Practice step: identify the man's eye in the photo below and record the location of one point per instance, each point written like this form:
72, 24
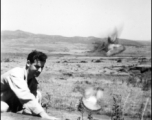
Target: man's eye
37, 67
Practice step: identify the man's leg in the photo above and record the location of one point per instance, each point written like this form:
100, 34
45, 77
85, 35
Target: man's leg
4, 106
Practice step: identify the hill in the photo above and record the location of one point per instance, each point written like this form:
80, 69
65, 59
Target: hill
20, 42
7, 36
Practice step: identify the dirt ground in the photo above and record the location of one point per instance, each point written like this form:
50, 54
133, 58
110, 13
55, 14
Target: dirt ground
65, 77
72, 66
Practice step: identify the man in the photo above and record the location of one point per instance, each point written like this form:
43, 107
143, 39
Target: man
19, 87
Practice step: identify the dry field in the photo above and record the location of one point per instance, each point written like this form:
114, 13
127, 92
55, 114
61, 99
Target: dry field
70, 68
64, 78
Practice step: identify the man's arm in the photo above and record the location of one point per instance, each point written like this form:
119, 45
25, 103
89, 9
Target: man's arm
21, 90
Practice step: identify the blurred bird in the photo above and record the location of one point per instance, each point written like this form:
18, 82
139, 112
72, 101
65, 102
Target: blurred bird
92, 97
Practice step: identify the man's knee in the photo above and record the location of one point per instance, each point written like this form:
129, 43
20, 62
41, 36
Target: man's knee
4, 106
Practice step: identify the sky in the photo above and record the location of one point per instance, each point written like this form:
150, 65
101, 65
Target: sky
98, 18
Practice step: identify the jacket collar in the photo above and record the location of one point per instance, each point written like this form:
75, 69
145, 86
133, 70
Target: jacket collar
25, 73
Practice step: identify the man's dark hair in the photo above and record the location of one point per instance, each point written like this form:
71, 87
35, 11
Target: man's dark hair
37, 55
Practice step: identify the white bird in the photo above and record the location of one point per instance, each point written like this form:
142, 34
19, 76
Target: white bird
92, 97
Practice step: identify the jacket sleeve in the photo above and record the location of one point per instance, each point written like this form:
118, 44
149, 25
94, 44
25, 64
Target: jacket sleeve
19, 86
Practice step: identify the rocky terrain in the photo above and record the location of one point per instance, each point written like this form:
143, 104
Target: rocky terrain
71, 67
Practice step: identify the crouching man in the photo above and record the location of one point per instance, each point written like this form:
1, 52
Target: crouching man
19, 87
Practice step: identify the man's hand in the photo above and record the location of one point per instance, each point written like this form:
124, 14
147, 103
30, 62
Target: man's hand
46, 116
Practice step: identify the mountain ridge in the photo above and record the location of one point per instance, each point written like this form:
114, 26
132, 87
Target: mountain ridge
19, 34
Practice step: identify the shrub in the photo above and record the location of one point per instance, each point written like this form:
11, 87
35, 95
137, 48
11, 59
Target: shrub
7, 60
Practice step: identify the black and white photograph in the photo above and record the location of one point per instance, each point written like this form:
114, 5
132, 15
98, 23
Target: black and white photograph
75, 59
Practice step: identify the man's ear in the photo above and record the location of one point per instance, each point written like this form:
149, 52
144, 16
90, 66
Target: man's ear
28, 63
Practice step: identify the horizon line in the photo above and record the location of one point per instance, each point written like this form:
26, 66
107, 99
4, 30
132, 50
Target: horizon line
148, 40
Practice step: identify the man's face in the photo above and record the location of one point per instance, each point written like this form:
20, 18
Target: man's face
36, 68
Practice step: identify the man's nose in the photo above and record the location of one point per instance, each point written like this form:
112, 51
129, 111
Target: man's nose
40, 69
